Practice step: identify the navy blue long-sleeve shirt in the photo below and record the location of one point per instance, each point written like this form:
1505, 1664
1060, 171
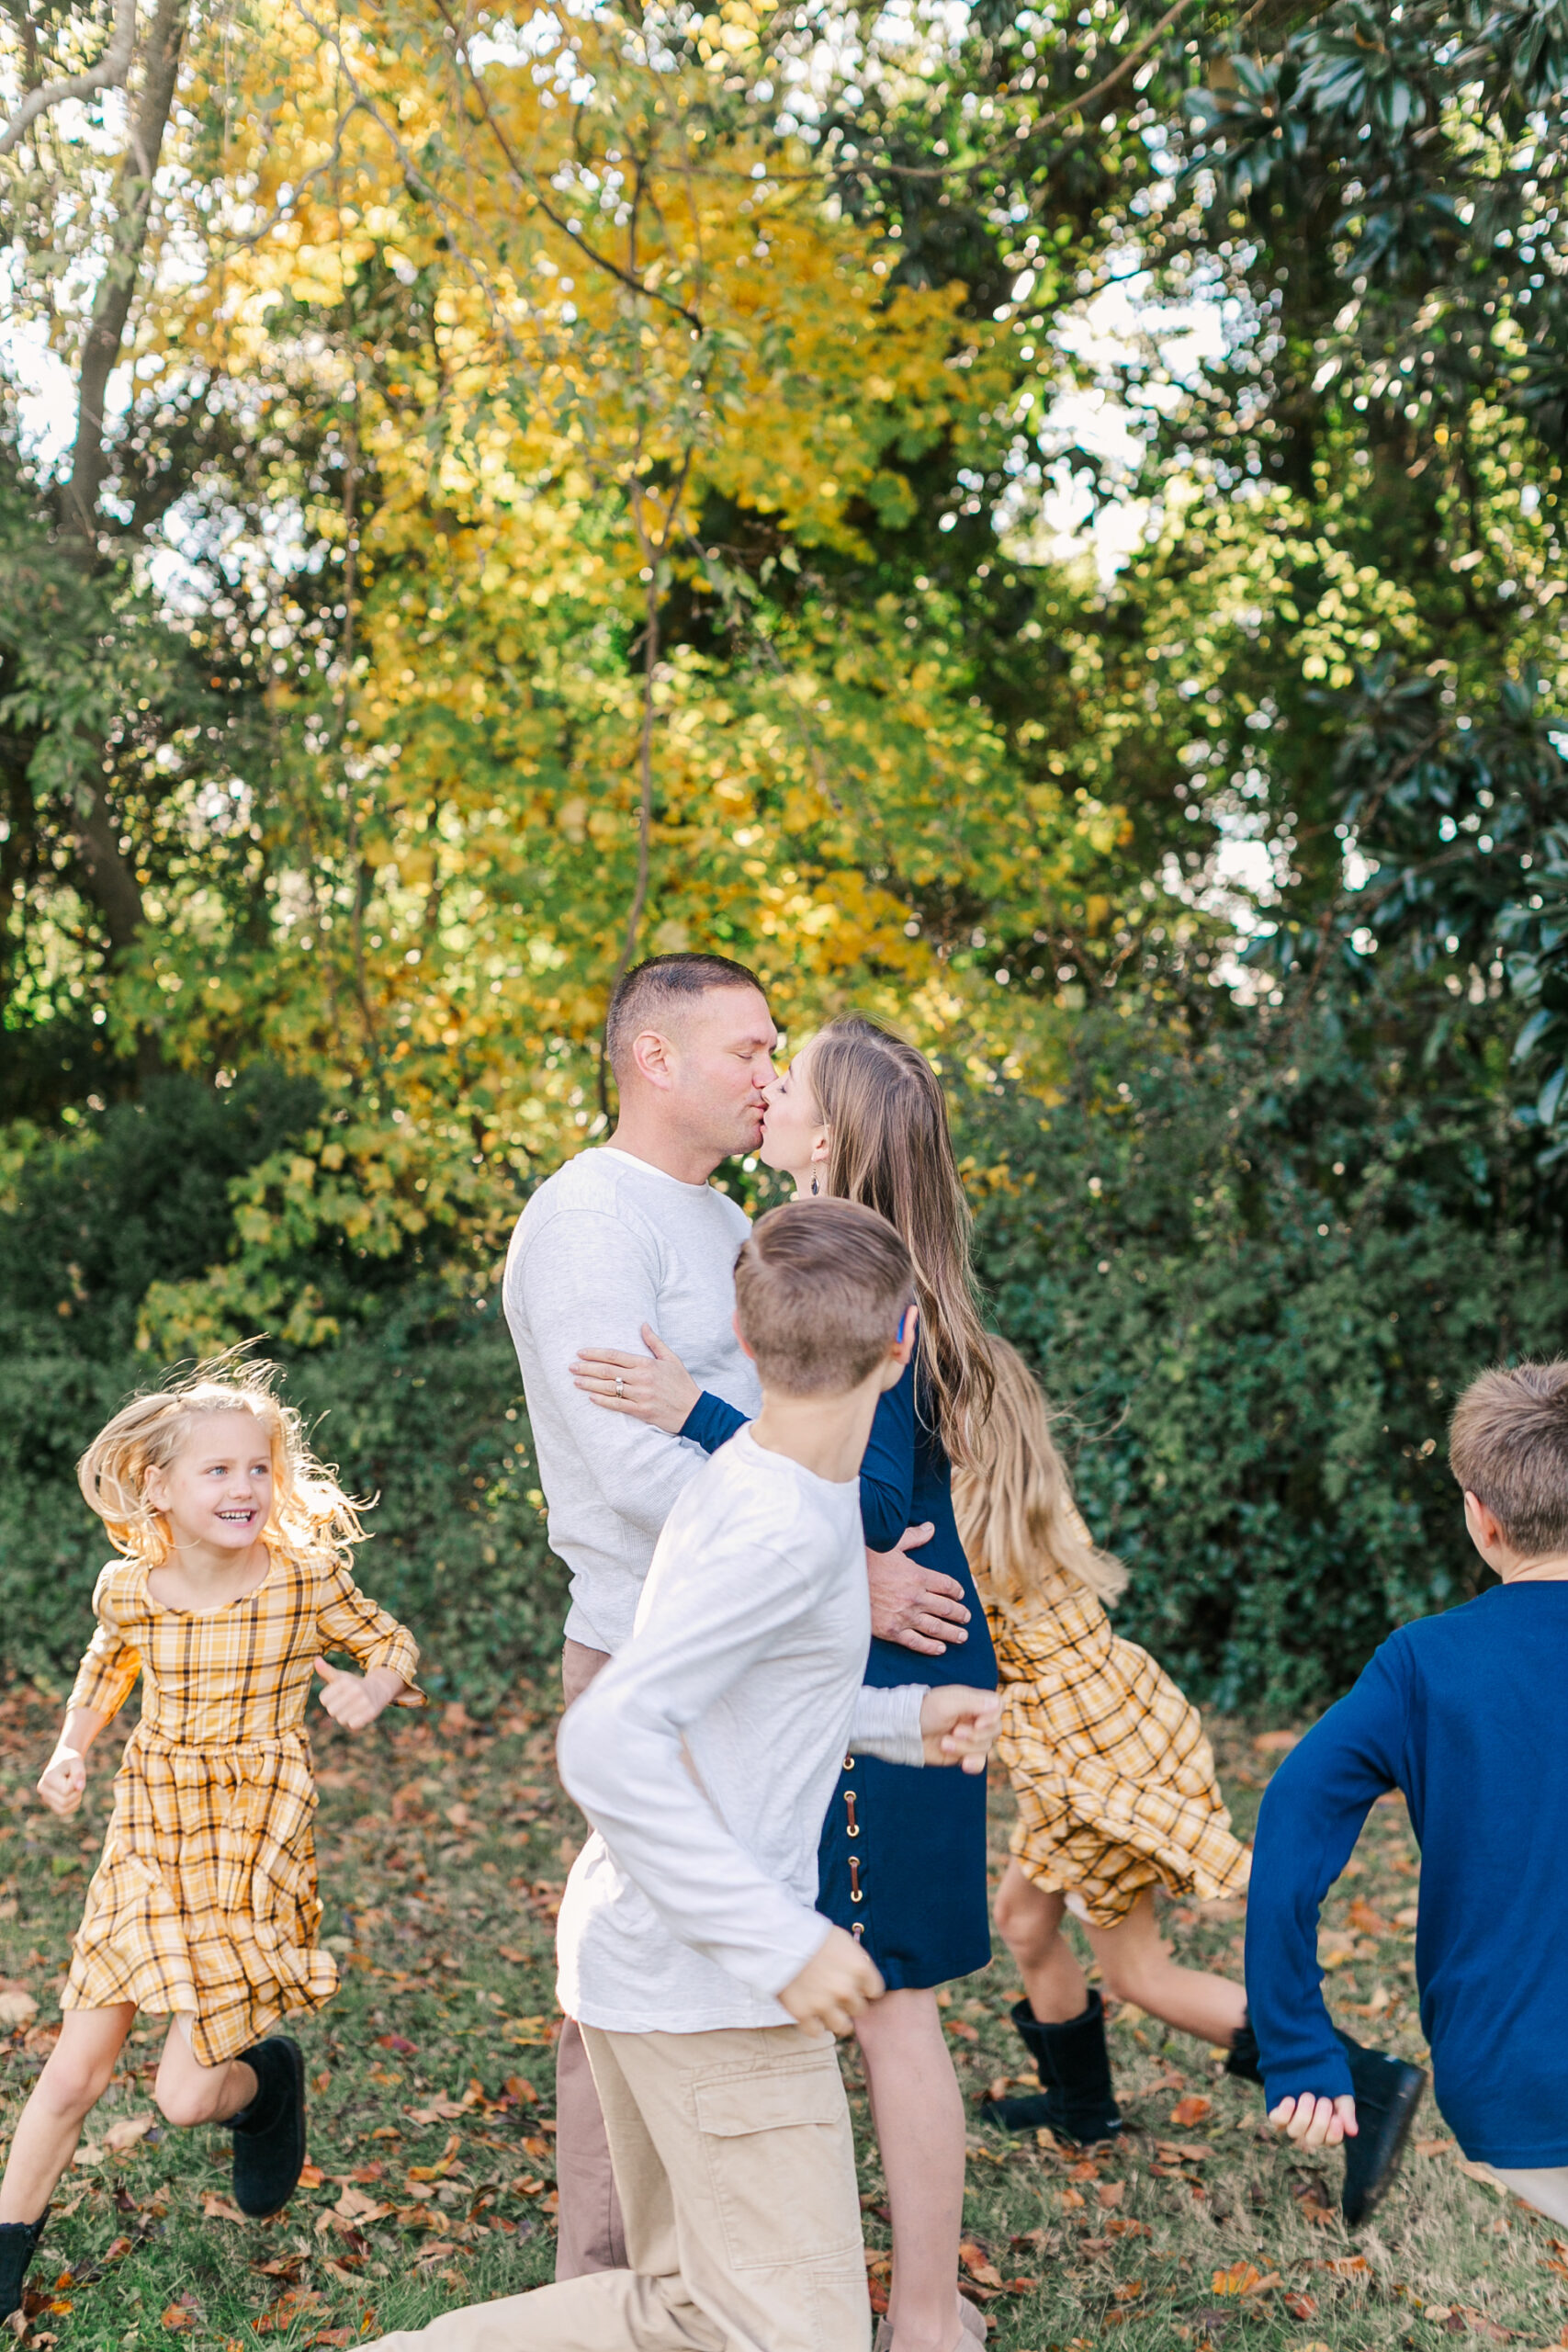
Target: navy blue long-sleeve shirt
887, 1472
1464, 1714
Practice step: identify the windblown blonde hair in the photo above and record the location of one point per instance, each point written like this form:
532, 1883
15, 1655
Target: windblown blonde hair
1013, 1501
311, 1512
890, 1148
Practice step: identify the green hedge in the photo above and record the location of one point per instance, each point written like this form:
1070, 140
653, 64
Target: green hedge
1256, 1291
1255, 1354
412, 1404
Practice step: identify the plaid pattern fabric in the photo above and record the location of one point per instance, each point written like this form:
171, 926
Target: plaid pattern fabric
1113, 1777
205, 1902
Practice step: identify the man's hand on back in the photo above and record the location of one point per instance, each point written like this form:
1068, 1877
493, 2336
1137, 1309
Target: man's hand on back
918, 1608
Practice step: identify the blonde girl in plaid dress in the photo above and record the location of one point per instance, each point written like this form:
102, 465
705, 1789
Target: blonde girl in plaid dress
233, 1579
1113, 1777
1116, 1796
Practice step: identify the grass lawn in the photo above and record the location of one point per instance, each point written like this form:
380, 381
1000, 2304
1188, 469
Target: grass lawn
443, 1849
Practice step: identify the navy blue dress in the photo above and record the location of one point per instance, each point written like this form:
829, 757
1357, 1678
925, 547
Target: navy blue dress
902, 1859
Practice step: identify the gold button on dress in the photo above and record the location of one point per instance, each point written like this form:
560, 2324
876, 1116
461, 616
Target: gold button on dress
204, 1904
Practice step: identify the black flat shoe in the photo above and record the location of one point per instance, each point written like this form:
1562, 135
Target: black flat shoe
269, 2134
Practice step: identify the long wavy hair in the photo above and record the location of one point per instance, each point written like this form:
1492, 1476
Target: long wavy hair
1019, 1527
311, 1512
890, 1147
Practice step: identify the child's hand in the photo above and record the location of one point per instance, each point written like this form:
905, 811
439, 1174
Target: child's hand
836, 1983
354, 1699
1316, 2123
957, 1725
64, 1782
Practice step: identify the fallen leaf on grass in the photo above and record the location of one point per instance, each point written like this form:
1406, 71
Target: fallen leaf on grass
1485, 2175
519, 2088
219, 2208
1347, 2265
127, 2131
1243, 2279
1434, 2148
355, 2206
1302, 2306
1191, 2109
440, 2251
18, 2007
395, 2041
311, 2175
1111, 2192
439, 2170
180, 2314
978, 2263
89, 2153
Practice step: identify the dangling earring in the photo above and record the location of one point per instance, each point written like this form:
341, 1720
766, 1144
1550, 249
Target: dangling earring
816, 1188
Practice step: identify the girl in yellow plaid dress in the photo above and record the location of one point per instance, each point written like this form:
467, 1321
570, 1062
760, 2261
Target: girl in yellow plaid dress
233, 1579
1113, 1777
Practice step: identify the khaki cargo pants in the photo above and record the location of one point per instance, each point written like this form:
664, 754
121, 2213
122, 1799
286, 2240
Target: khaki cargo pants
735, 2162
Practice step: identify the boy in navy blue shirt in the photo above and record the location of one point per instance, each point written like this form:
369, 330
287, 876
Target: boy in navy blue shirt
1463, 1713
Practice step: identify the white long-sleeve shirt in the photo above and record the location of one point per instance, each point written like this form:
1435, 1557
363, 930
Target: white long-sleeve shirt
607, 1244
705, 1754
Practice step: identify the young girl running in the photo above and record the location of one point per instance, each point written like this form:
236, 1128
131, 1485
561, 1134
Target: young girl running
232, 1580
1116, 1795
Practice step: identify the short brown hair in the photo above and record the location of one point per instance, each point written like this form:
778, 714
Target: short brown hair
1508, 1447
649, 991
820, 1289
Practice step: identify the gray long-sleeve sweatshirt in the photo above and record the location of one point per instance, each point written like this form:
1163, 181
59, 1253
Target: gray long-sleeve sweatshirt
605, 1245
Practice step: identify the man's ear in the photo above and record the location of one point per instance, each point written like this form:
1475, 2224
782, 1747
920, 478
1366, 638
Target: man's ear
735, 1327
654, 1057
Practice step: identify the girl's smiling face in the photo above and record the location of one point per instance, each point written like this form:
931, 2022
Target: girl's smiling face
218, 1490
795, 1140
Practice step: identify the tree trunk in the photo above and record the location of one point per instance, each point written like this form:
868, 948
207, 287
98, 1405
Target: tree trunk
111, 878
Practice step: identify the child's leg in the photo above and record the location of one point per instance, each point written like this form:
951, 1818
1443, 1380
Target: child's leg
1136, 1967
918, 2110
1029, 1922
75, 2078
190, 2093
1547, 2191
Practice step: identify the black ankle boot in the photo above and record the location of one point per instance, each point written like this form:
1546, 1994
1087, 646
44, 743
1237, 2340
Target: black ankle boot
1387, 2091
19, 2244
1076, 2100
1243, 2061
269, 2134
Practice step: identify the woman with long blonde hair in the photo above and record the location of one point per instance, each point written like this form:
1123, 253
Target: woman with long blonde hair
860, 1116
1117, 1796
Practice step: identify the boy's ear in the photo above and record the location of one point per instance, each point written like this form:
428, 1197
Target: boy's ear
1485, 1531
735, 1327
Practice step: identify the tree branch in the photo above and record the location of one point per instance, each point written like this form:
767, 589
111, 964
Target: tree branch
111, 310
108, 74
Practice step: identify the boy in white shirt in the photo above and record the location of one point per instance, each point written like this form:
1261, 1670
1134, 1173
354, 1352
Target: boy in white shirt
707, 1986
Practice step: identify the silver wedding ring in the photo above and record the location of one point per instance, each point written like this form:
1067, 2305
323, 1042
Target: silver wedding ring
620, 1385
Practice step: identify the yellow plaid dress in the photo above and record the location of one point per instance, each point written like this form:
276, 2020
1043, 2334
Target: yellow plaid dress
204, 1904
1113, 1777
